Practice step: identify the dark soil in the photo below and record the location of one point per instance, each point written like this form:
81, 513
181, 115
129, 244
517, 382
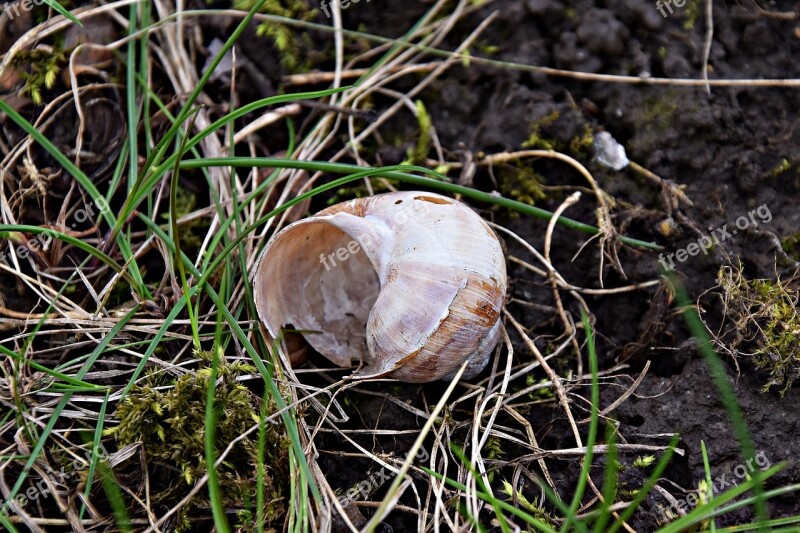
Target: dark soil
734, 149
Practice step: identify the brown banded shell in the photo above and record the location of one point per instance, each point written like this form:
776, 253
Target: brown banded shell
409, 284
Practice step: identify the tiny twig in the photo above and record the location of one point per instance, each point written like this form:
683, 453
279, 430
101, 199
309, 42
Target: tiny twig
708, 41
557, 385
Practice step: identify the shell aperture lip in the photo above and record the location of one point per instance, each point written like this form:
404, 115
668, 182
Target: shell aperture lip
410, 284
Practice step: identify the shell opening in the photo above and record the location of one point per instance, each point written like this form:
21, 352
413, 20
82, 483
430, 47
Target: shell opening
410, 284
324, 285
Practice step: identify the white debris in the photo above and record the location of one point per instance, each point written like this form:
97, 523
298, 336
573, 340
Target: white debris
608, 152
223, 70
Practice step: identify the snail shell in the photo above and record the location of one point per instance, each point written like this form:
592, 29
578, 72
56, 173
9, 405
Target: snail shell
411, 284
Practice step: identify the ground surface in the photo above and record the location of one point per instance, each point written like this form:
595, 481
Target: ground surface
734, 150
722, 146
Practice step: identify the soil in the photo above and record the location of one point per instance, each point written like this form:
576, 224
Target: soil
733, 149
727, 147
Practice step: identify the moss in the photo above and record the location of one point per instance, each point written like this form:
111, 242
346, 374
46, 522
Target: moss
584, 144
703, 490
535, 140
520, 182
282, 35
419, 154
45, 67
655, 114
693, 10
185, 202
493, 448
767, 322
486, 49
659, 110
791, 245
580, 145
784, 166
534, 508
543, 393
168, 418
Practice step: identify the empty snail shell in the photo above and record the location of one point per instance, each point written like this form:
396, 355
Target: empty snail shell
410, 284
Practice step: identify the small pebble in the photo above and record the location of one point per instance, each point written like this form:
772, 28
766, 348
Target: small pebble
608, 152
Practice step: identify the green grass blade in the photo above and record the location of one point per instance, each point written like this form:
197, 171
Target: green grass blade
62, 160
37, 448
76, 383
701, 512
173, 221
396, 173
130, 95
89, 249
782, 491
115, 498
260, 467
214, 491
146, 182
84, 182
709, 484
642, 493
98, 435
62, 10
286, 414
461, 456
774, 523
593, 423
519, 513
168, 137
609, 481
156, 340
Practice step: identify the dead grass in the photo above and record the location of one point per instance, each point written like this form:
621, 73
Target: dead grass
137, 357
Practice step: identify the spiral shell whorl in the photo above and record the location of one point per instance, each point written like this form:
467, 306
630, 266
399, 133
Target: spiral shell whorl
426, 297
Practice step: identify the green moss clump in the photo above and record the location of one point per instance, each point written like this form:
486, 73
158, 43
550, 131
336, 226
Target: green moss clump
659, 110
44, 69
419, 154
693, 10
644, 461
535, 140
543, 393
282, 35
783, 166
487, 50
185, 202
522, 184
791, 245
767, 324
582, 145
778, 352
168, 418
655, 113
535, 508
